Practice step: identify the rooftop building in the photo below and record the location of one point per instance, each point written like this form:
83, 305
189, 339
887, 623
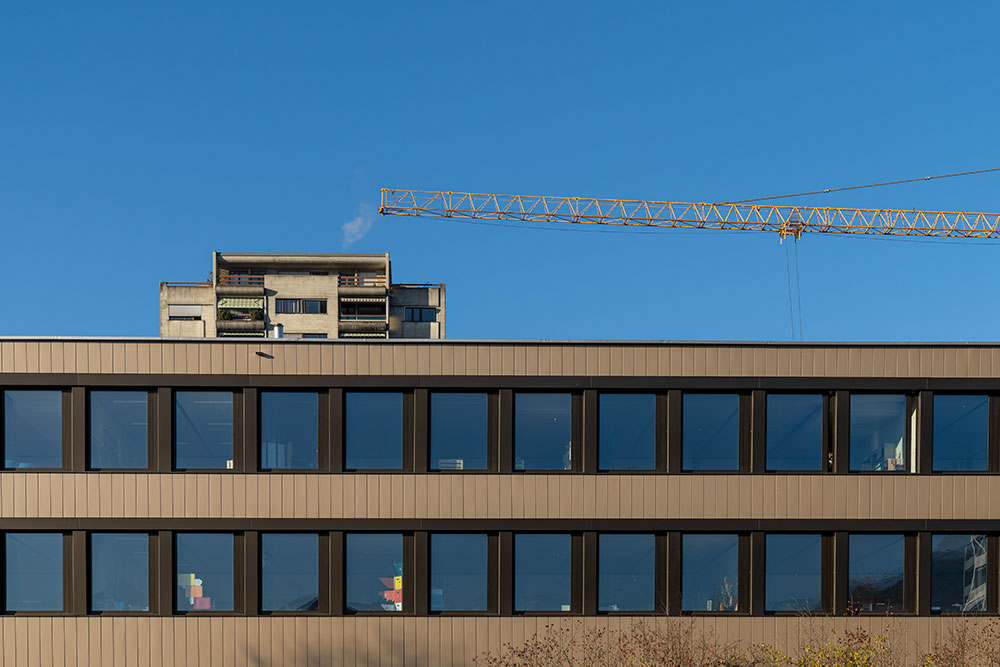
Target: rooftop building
301, 295
419, 502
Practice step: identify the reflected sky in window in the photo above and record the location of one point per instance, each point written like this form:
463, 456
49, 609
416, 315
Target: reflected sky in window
710, 572
794, 432
289, 430
374, 430
961, 432
627, 432
626, 572
793, 573
34, 571
118, 429
458, 431
875, 573
458, 572
119, 572
374, 566
203, 429
205, 571
32, 429
543, 432
711, 432
289, 571
542, 572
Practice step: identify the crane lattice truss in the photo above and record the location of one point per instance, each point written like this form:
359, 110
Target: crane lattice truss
785, 220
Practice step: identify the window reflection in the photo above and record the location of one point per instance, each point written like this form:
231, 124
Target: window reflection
794, 432
34, 571
118, 429
958, 573
626, 573
374, 566
878, 432
205, 571
32, 429
289, 572
289, 430
374, 430
710, 573
458, 572
711, 432
458, 431
627, 432
793, 572
119, 572
875, 573
961, 432
543, 432
543, 572
203, 429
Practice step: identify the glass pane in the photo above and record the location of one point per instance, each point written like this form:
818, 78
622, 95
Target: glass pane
794, 432
205, 571
626, 573
374, 563
711, 432
709, 572
878, 432
289, 572
32, 429
543, 572
543, 432
289, 430
118, 429
458, 431
34, 571
119, 572
374, 430
793, 573
961, 432
875, 573
958, 573
203, 429
458, 572
626, 440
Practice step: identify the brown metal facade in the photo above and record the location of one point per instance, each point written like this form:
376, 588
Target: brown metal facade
500, 502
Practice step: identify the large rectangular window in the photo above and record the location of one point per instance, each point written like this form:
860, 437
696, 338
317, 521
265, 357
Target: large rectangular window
795, 432
458, 431
32, 429
627, 432
710, 572
626, 573
205, 570
959, 574
710, 432
374, 430
543, 572
119, 572
118, 429
543, 432
289, 430
34, 571
289, 572
203, 429
793, 574
878, 432
459, 571
961, 432
374, 566
875, 573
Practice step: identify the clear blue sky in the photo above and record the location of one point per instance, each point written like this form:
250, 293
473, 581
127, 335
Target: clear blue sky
136, 138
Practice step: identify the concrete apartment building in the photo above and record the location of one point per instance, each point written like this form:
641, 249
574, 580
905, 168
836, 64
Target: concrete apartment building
301, 295
369, 502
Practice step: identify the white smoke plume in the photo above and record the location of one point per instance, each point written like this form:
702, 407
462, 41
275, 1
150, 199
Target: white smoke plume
359, 226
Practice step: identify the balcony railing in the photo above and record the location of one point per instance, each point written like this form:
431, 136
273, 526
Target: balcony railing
179, 284
241, 280
361, 281
362, 318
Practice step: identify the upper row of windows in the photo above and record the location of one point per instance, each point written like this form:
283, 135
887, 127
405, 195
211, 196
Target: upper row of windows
459, 431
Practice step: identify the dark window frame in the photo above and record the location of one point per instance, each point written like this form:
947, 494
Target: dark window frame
423, 430
153, 576
68, 573
237, 452
322, 575
592, 433
239, 575
408, 429
493, 570
409, 554
743, 416
322, 433
281, 303
759, 408
576, 433
152, 425
910, 414
65, 423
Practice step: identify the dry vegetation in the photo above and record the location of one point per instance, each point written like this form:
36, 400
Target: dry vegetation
972, 643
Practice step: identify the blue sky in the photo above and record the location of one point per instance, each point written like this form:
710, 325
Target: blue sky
136, 138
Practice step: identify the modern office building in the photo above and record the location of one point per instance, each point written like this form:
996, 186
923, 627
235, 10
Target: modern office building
240, 501
301, 295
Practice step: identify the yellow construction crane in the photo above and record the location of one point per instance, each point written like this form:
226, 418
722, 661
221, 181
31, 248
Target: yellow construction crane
785, 220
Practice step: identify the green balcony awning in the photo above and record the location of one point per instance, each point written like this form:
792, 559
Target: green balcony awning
241, 302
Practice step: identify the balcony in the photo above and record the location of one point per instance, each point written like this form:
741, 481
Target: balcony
363, 325
361, 281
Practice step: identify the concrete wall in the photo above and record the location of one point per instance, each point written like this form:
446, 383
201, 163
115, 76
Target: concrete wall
403, 296
203, 295
302, 287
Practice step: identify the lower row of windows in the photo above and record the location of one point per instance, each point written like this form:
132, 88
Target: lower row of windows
209, 572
